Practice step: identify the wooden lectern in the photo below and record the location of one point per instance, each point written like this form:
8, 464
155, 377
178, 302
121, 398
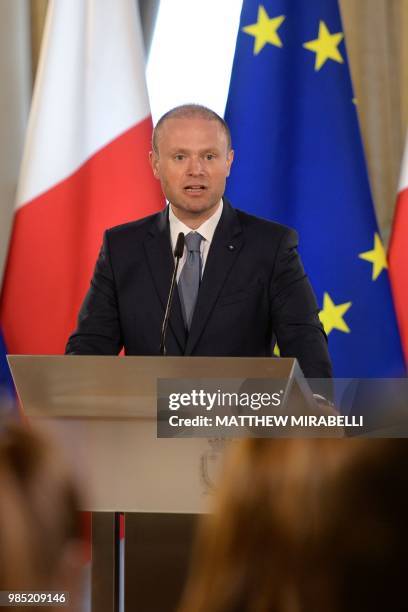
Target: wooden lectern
102, 411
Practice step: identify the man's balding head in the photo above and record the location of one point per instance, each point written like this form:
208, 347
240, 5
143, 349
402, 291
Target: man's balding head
189, 111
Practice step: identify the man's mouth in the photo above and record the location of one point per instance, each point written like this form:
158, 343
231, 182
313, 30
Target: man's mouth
195, 188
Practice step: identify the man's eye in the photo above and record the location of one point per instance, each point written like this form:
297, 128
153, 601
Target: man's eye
210, 156
179, 157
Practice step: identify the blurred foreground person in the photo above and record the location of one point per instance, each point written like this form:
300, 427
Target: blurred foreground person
305, 525
40, 524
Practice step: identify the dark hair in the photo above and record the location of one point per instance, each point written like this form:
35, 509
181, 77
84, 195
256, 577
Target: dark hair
39, 510
187, 111
318, 525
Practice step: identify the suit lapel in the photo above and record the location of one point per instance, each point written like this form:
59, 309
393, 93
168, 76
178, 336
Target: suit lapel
161, 262
224, 250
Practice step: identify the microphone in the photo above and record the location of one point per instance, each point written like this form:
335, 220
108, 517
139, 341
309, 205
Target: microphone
179, 249
178, 253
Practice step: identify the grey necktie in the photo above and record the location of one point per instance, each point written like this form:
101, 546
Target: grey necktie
190, 276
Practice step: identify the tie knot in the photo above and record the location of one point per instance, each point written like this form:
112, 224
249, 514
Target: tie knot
193, 241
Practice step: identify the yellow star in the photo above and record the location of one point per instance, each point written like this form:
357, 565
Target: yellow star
325, 46
377, 257
332, 316
265, 30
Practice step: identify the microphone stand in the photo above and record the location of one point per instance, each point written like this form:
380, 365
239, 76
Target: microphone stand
178, 253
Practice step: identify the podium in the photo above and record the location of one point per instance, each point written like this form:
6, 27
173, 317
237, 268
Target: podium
102, 412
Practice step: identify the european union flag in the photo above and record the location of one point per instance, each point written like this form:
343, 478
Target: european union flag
299, 161
6, 381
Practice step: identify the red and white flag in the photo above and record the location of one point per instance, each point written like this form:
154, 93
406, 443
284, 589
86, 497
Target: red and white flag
398, 254
85, 167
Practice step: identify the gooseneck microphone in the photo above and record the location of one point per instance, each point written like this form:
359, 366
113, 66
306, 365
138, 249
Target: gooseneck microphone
178, 254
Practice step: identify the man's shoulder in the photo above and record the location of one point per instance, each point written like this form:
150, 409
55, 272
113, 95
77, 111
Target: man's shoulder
255, 224
134, 229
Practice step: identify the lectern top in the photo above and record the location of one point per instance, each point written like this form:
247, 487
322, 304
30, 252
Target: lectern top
122, 387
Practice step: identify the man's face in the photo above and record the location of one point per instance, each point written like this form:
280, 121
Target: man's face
192, 164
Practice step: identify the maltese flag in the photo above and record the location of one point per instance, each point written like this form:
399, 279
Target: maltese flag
85, 167
398, 254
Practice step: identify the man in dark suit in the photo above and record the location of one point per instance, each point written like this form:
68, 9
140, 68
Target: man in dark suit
251, 288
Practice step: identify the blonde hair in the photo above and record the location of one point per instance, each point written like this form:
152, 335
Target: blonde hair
312, 525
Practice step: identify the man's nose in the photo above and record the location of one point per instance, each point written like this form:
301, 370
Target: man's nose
195, 166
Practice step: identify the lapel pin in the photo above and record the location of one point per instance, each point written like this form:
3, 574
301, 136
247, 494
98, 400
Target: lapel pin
231, 247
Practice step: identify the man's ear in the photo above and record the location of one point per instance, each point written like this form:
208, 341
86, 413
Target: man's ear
154, 162
230, 159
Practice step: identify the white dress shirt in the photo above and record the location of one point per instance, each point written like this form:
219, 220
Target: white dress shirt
206, 230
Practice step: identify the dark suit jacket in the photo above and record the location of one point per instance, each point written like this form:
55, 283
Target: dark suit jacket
253, 289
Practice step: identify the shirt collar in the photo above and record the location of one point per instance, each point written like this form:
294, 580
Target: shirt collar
206, 229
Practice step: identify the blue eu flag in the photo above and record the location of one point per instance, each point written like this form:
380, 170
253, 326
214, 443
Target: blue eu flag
299, 161
6, 382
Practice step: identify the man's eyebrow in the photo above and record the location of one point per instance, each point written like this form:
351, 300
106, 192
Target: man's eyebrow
182, 150
179, 150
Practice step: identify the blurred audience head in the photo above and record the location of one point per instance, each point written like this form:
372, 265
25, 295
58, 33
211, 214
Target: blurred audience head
312, 525
40, 524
